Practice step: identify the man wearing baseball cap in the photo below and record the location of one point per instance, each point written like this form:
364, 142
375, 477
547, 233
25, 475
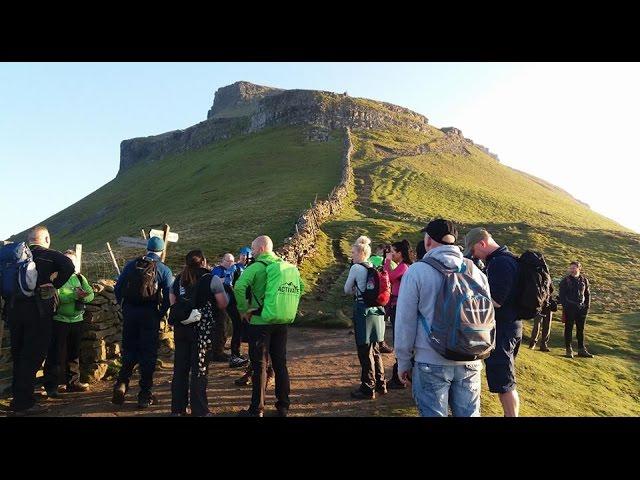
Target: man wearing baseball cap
141, 315
437, 382
502, 271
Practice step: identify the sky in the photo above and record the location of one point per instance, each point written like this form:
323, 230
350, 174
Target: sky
573, 124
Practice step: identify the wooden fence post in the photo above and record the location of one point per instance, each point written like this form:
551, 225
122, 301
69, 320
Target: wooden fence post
79, 256
113, 258
166, 231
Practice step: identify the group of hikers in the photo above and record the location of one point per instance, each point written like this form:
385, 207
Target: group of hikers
449, 310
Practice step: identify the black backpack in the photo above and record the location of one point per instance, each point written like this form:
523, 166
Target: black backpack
184, 303
141, 285
534, 284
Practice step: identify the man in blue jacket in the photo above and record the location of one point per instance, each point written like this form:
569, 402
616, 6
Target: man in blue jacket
502, 272
142, 310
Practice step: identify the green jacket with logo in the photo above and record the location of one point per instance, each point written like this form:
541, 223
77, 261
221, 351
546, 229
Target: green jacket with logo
67, 311
254, 278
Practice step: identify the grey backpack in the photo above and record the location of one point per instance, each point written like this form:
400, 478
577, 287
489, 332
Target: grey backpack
464, 325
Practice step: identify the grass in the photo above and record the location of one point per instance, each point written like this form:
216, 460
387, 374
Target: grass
218, 198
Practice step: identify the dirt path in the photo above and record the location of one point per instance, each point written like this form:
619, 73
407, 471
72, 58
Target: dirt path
322, 363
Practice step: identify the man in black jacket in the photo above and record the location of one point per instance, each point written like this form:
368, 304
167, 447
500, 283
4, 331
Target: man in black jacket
31, 320
575, 299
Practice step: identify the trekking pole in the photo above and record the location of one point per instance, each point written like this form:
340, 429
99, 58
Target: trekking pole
113, 258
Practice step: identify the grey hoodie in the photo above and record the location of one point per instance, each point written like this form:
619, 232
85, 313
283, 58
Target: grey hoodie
418, 292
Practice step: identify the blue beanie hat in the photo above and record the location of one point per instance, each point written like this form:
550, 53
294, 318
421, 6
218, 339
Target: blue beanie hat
155, 244
245, 251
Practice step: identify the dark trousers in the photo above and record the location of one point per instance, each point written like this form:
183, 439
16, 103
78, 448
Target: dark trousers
236, 322
186, 386
544, 320
392, 315
573, 314
219, 336
140, 327
30, 333
62, 366
372, 367
265, 341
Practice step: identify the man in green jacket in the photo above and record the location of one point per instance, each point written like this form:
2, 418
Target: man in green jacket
62, 367
266, 338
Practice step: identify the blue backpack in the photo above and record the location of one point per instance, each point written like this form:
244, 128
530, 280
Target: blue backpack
18, 274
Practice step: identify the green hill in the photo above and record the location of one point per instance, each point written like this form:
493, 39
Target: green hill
219, 190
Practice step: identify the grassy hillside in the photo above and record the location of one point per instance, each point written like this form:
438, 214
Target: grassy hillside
218, 198
397, 192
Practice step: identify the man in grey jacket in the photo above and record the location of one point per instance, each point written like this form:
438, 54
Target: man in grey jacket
437, 382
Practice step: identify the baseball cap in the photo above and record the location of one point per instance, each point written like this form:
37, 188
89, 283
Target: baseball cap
474, 236
439, 228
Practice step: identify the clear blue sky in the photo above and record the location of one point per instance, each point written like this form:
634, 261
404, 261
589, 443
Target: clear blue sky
61, 123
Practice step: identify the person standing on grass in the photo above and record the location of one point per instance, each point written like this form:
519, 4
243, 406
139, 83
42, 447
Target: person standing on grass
502, 272
575, 298
62, 366
368, 323
438, 383
541, 331
396, 264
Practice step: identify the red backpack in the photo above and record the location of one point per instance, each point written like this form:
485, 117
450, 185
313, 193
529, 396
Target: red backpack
377, 292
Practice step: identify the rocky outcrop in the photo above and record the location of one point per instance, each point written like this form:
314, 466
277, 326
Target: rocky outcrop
302, 242
454, 142
245, 108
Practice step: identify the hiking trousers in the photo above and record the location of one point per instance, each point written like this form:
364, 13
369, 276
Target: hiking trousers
539, 334
577, 316
30, 334
140, 327
62, 366
265, 341
186, 386
371, 366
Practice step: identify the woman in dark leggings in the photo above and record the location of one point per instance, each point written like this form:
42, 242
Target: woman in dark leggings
575, 299
401, 256
194, 287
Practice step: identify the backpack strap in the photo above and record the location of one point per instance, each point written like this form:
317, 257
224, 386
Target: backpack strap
253, 294
441, 268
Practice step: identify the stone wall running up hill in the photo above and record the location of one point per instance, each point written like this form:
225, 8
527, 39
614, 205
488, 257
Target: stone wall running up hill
302, 242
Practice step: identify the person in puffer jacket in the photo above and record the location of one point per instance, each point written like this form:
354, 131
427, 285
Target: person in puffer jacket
62, 366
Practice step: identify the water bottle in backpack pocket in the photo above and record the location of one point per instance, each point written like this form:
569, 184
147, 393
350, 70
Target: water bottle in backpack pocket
463, 326
18, 274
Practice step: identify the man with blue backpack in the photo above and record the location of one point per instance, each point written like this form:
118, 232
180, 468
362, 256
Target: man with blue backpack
445, 326
138, 289
268, 293
30, 275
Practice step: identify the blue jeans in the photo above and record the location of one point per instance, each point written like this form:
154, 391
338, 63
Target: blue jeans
435, 387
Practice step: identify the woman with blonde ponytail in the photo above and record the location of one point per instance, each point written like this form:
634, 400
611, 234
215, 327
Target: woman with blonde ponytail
368, 323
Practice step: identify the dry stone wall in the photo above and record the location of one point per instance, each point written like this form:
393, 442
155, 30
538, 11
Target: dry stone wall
303, 241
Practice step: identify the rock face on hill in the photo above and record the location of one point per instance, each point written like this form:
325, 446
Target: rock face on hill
245, 108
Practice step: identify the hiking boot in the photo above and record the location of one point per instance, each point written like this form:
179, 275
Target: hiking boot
282, 411
244, 380
119, 392
396, 384
381, 388
583, 352
532, 345
360, 394
544, 348
220, 357
569, 353
384, 348
250, 413
77, 387
145, 400
237, 362
27, 412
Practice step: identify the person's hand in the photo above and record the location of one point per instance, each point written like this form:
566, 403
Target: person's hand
81, 293
388, 256
246, 316
405, 377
